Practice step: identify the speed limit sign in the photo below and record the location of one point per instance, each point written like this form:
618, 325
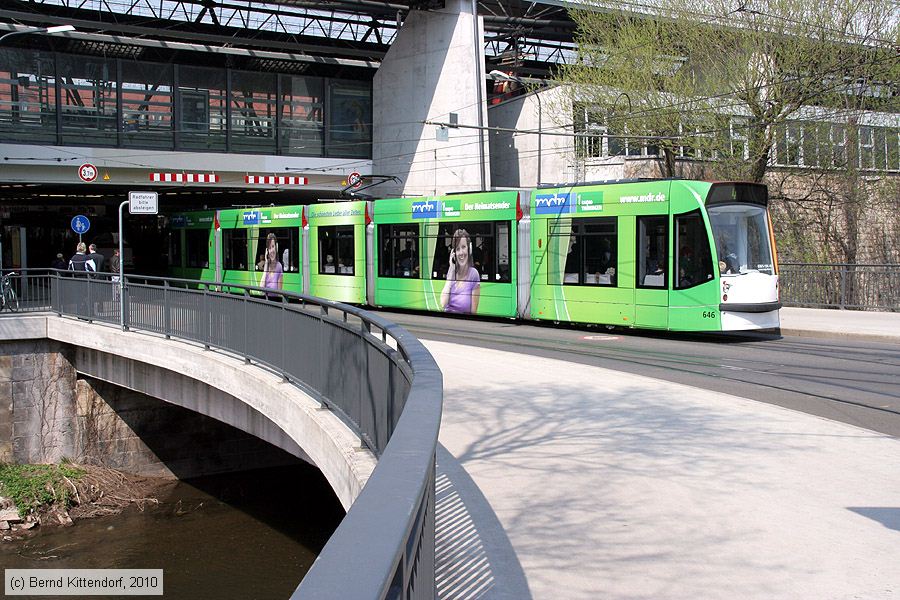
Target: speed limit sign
87, 172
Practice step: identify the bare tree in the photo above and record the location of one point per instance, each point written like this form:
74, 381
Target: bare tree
689, 67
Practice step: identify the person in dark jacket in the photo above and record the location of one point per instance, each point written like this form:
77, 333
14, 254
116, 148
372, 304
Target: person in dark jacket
96, 257
58, 262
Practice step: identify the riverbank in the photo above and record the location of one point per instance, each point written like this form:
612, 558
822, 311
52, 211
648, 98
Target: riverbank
33, 496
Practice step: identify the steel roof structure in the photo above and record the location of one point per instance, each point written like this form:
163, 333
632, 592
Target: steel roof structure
522, 37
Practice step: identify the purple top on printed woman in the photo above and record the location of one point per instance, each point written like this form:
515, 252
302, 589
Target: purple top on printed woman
461, 293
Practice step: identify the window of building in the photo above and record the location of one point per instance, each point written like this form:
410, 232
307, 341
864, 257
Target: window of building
838, 146
586, 251
487, 249
866, 148
302, 124
740, 146
286, 241
202, 94
349, 120
693, 261
27, 96
253, 111
234, 249
893, 149
88, 95
197, 247
880, 149
589, 130
336, 250
652, 251
147, 105
399, 251
788, 144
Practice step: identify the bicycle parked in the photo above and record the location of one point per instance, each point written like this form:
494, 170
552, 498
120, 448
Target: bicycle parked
8, 298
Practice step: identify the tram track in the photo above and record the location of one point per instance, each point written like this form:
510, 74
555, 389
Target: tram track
851, 382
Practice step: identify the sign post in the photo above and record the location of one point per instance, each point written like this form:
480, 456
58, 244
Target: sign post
139, 203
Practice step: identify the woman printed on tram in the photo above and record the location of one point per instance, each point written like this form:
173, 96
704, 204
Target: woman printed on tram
463, 286
273, 271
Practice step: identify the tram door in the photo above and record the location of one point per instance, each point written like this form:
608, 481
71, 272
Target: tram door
652, 272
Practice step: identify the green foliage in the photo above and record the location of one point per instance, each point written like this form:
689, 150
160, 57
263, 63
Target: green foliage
32, 487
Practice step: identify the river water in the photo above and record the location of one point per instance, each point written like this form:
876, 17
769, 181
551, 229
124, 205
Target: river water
239, 535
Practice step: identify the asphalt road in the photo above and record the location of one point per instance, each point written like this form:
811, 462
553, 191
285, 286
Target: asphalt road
855, 382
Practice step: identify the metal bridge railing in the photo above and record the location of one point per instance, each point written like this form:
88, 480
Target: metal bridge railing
375, 375
820, 285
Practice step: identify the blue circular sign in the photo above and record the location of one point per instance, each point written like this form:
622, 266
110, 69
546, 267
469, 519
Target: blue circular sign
80, 224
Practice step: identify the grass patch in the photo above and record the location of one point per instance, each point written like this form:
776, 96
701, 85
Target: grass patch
33, 487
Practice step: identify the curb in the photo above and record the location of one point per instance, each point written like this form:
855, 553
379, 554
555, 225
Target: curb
840, 335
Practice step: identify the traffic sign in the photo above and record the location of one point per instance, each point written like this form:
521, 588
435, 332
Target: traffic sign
354, 180
80, 224
87, 172
143, 203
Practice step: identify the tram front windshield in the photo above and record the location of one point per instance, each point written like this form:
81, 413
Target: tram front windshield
741, 233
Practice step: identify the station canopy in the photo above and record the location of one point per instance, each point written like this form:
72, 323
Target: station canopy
309, 36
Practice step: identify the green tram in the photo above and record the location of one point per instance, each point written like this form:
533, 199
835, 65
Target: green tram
675, 255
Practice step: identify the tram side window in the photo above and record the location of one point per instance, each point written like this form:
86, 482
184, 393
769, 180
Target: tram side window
336, 250
197, 243
287, 247
175, 257
586, 251
399, 253
487, 250
693, 262
652, 251
234, 249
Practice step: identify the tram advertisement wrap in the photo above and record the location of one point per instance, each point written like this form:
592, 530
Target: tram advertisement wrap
247, 237
337, 251
447, 254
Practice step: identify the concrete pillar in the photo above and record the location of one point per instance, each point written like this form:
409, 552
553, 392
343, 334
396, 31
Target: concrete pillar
434, 69
515, 157
37, 402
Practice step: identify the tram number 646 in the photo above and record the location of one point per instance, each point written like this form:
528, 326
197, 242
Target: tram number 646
709, 314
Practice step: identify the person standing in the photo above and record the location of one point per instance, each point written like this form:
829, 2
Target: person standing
80, 261
115, 264
96, 257
58, 262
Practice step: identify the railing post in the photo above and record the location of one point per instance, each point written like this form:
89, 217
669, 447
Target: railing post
843, 286
167, 310
284, 339
246, 303
204, 313
90, 295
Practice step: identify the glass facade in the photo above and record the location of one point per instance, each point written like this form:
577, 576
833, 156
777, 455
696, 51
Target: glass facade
51, 98
28, 95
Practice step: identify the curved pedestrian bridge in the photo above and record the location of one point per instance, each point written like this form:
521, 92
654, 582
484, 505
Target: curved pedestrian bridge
351, 393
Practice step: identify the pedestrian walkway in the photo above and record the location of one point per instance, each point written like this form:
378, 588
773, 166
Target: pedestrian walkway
565, 481
853, 324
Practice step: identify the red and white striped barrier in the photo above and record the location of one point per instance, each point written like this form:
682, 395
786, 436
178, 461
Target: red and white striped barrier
184, 177
275, 180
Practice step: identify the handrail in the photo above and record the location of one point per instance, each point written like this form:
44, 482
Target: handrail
379, 379
864, 286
